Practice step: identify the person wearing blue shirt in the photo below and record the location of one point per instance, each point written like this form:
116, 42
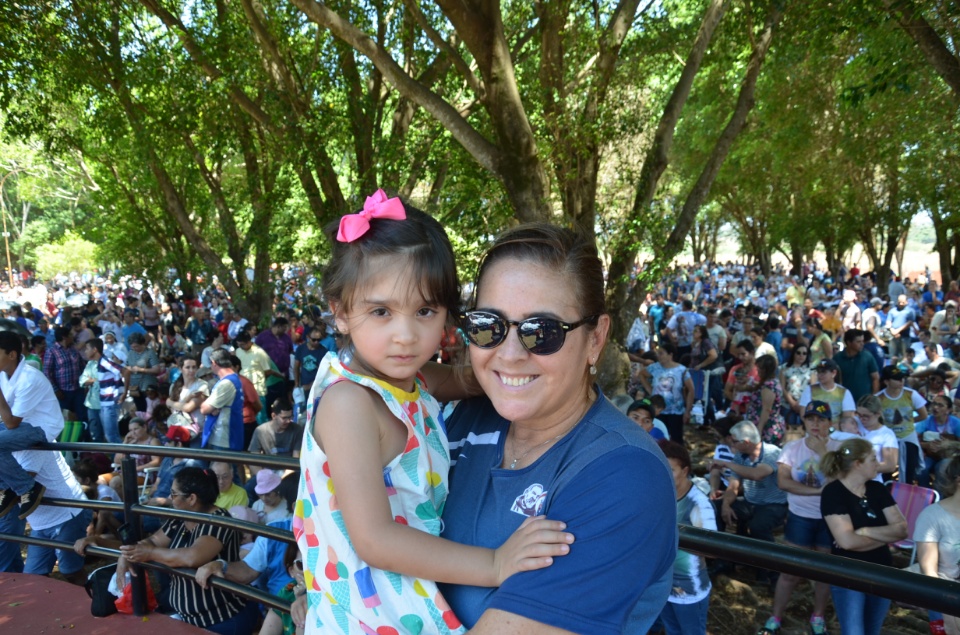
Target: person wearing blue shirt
131, 326
940, 426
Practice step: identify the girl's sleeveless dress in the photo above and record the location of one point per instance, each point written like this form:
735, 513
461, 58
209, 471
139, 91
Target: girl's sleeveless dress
344, 594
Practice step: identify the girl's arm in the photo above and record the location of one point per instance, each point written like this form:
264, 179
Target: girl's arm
356, 454
766, 405
891, 460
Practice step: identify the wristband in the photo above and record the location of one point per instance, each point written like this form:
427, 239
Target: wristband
223, 566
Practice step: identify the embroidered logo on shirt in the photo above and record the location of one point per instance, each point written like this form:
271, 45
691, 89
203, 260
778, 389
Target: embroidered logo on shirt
530, 503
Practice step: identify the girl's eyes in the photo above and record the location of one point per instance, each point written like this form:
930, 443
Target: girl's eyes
379, 312
426, 312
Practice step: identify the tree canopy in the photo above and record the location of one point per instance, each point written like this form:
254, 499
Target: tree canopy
221, 136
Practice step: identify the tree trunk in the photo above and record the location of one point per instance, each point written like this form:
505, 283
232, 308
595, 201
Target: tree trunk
626, 246
944, 62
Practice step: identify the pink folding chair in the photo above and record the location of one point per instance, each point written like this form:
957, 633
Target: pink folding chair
911, 499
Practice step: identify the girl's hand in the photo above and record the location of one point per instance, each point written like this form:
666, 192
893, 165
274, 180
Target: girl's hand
532, 546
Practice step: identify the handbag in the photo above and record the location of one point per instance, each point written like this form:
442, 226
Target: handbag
97, 587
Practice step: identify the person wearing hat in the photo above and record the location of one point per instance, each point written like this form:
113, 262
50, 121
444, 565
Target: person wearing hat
800, 476
272, 506
827, 390
113, 348
848, 311
899, 321
872, 321
858, 369
898, 404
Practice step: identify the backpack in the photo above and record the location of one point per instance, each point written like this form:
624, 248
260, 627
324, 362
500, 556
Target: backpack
103, 602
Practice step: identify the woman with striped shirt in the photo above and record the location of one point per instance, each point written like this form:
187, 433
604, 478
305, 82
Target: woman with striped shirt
183, 543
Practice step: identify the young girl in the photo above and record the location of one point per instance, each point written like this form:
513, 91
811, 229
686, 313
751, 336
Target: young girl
374, 459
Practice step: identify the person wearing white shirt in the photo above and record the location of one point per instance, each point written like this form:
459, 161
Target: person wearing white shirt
31, 414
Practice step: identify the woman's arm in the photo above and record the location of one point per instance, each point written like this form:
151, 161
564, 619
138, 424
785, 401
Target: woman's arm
841, 528
356, 461
644, 378
688, 394
203, 550
786, 483
826, 347
766, 406
708, 360
496, 622
928, 555
891, 460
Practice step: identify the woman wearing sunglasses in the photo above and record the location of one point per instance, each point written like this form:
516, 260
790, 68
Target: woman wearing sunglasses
545, 441
863, 519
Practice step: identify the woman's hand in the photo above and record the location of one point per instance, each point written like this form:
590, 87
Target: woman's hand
298, 611
204, 573
532, 546
139, 552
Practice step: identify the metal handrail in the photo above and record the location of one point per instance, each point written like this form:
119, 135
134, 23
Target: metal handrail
889, 582
905, 586
244, 526
226, 456
248, 592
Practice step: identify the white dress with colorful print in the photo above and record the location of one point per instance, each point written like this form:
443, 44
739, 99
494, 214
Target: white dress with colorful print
344, 594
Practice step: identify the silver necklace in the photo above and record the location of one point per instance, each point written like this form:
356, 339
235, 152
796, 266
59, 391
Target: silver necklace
513, 465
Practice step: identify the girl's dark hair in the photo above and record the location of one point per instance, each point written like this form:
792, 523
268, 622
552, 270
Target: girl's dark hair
289, 486
559, 249
840, 461
86, 469
675, 451
195, 480
419, 238
747, 345
766, 368
704, 333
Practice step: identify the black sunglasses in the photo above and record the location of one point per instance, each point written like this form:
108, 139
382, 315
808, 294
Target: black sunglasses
539, 335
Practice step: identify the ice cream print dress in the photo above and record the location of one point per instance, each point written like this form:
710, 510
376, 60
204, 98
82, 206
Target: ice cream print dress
344, 594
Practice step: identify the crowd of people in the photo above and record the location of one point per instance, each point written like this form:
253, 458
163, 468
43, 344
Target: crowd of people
448, 497
819, 388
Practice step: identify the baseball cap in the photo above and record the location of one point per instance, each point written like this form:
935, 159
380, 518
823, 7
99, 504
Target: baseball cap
818, 409
828, 364
875, 301
893, 372
178, 433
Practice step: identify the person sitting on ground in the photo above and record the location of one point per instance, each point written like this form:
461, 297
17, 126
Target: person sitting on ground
188, 543
230, 493
642, 411
271, 507
137, 434
763, 506
937, 534
263, 564
685, 612
939, 437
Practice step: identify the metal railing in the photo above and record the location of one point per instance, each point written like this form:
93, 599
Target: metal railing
903, 586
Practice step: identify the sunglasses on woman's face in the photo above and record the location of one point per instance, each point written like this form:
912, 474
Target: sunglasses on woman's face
539, 335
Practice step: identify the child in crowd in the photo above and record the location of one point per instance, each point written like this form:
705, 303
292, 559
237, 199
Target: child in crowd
392, 285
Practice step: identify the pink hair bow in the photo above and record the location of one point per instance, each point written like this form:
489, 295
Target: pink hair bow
353, 226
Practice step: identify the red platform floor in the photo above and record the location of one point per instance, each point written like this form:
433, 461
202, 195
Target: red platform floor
33, 604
